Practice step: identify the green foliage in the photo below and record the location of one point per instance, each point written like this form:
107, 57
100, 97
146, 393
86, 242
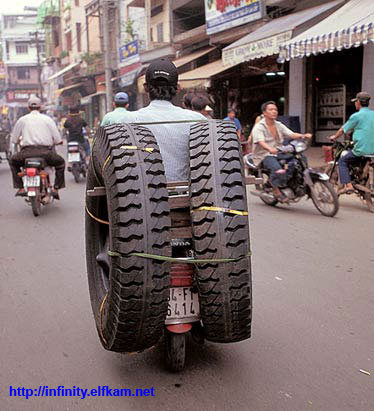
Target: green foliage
91, 58
64, 53
129, 29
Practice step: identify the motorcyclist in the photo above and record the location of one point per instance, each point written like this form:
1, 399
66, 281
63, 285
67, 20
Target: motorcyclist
268, 134
75, 125
173, 138
120, 104
362, 124
39, 136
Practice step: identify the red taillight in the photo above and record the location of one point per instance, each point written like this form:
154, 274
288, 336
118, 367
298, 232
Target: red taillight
21, 174
31, 172
181, 275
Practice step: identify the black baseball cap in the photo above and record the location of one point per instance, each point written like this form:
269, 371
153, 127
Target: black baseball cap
362, 96
162, 72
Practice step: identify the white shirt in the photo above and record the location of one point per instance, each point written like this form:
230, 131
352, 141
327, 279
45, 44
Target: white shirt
261, 132
173, 139
36, 129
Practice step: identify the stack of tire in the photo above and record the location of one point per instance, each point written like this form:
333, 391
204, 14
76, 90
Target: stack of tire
129, 294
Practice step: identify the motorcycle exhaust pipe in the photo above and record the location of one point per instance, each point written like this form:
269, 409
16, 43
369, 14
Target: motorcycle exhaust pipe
363, 188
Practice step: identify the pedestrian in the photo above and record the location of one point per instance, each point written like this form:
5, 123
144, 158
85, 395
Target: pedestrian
187, 100
231, 116
200, 104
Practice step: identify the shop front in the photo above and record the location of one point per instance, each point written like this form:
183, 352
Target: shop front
256, 74
334, 60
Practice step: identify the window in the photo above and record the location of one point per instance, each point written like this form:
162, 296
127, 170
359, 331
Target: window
56, 38
68, 41
22, 48
23, 73
79, 37
152, 39
41, 48
160, 33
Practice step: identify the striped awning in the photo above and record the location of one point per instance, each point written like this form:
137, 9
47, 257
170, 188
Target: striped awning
352, 25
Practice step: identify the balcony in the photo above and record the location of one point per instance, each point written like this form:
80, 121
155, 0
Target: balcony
94, 63
191, 36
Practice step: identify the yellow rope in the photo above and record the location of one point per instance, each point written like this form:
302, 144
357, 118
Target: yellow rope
220, 210
105, 163
95, 218
101, 318
147, 149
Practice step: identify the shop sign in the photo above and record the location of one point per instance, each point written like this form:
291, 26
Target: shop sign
254, 50
129, 53
224, 14
20, 95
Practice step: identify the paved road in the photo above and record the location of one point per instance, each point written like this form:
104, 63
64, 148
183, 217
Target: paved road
313, 324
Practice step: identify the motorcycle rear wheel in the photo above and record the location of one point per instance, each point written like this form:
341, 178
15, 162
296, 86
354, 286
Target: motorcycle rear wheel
175, 351
326, 194
35, 205
76, 172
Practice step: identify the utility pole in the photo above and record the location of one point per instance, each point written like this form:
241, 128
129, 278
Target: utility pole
39, 67
107, 54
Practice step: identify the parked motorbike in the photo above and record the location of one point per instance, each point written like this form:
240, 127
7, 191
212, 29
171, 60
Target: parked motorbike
77, 160
302, 181
361, 172
37, 183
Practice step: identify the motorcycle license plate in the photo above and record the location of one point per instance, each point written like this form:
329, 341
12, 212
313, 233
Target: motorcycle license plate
31, 181
183, 305
73, 157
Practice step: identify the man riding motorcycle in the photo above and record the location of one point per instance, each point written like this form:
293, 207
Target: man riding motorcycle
173, 139
75, 125
362, 124
268, 134
120, 105
39, 135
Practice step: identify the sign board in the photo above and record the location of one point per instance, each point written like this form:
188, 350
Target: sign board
129, 53
20, 95
256, 49
224, 14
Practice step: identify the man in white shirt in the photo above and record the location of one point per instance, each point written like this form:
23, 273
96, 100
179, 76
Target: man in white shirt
39, 135
268, 134
173, 138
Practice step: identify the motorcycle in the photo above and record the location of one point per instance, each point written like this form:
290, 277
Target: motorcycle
77, 160
36, 178
361, 173
301, 181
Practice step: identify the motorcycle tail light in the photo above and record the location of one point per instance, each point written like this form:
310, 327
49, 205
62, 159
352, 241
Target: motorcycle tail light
21, 174
43, 174
31, 172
